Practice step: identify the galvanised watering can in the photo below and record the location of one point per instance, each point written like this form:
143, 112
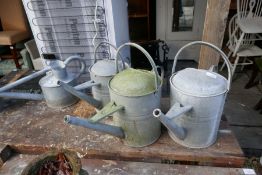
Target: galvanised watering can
54, 95
100, 72
134, 95
197, 98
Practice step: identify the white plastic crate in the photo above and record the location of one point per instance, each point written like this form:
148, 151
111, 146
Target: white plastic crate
66, 27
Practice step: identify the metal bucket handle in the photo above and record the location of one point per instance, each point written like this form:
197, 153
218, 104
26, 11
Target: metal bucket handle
215, 48
150, 59
80, 60
113, 46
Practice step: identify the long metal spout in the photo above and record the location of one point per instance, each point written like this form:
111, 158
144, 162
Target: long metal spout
171, 125
23, 80
86, 85
112, 130
81, 95
25, 96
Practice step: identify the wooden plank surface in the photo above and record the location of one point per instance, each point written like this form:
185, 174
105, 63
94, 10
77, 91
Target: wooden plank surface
33, 128
214, 29
18, 75
109, 167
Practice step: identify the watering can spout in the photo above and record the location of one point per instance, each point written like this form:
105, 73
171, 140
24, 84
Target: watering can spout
86, 85
24, 96
112, 130
80, 95
167, 119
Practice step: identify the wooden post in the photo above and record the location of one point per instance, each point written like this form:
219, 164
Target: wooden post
214, 29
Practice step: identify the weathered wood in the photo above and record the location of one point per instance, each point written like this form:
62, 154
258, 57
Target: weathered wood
97, 167
33, 128
214, 29
18, 75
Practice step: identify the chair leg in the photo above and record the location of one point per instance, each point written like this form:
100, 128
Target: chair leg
244, 61
228, 55
238, 43
14, 56
222, 67
235, 65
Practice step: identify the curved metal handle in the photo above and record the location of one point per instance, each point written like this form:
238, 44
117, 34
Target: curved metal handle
213, 47
80, 60
113, 46
157, 81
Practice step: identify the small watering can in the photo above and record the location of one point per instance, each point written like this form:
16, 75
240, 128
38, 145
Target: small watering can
101, 72
134, 95
53, 93
197, 98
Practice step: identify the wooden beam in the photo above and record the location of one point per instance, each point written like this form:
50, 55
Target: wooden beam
5, 153
214, 29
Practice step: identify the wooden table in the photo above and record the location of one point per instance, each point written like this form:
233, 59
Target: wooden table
32, 128
17, 163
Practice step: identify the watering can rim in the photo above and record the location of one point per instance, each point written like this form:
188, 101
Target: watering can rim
90, 68
124, 64
41, 83
214, 47
194, 94
148, 93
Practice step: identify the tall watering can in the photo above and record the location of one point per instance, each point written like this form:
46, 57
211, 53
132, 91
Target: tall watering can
134, 95
100, 72
54, 95
197, 98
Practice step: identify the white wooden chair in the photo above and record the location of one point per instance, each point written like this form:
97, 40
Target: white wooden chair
244, 48
249, 18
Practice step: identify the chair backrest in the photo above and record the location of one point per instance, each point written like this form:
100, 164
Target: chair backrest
234, 35
13, 16
249, 9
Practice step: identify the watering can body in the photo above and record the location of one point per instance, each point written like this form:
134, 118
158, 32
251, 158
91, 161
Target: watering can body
202, 121
136, 119
134, 95
53, 93
100, 73
197, 98
100, 91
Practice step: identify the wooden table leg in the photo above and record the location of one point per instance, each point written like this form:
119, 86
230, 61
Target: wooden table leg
14, 56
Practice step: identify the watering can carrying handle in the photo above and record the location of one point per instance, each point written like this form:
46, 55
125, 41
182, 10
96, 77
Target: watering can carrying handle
157, 81
113, 46
215, 48
80, 60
